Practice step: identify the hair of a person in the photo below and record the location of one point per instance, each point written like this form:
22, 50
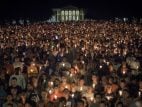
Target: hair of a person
14, 78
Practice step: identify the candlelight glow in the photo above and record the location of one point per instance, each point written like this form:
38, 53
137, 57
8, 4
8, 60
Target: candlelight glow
120, 92
81, 88
72, 95
32, 70
94, 85
101, 66
51, 83
55, 96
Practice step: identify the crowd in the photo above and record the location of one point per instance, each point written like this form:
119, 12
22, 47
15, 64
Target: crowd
71, 64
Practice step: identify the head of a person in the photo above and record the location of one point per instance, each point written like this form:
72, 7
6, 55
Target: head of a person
50, 104
85, 101
14, 82
103, 104
17, 70
80, 103
56, 90
17, 59
14, 91
20, 104
94, 78
90, 89
9, 105
97, 97
110, 80
44, 95
9, 98
125, 93
111, 68
119, 104
28, 105
122, 84
62, 101
138, 103
81, 82
64, 79
29, 87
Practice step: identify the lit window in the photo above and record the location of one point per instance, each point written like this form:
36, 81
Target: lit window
66, 17
77, 12
62, 13
63, 18
73, 18
70, 12
70, 17
66, 12
77, 17
73, 12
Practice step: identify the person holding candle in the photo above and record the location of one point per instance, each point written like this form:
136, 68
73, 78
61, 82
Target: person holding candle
20, 78
14, 84
81, 86
32, 70
89, 94
97, 100
65, 84
44, 99
56, 94
9, 101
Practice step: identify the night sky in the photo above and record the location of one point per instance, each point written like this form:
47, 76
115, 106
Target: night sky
41, 10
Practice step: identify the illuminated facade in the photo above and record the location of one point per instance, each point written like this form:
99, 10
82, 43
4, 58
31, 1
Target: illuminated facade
69, 13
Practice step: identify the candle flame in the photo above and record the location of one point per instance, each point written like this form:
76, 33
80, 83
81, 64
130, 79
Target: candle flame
120, 93
72, 95
32, 70
81, 88
50, 91
55, 96
51, 83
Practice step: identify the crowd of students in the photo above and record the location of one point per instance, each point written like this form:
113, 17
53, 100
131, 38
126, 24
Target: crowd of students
71, 64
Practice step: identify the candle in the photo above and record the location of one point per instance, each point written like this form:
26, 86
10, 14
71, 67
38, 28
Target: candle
83, 49
94, 85
40, 67
63, 64
109, 97
82, 62
72, 95
139, 93
50, 91
7, 72
120, 92
91, 98
124, 72
32, 70
55, 96
26, 44
137, 67
107, 63
66, 86
51, 83
33, 64
44, 80
24, 53
81, 88
104, 61
70, 74
100, 66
